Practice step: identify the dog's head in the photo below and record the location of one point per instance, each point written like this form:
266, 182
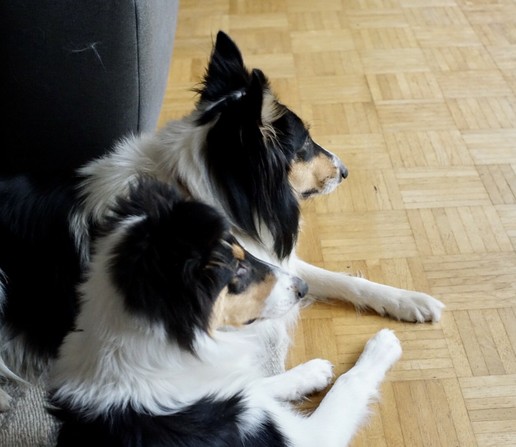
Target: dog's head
260, 152
176, 264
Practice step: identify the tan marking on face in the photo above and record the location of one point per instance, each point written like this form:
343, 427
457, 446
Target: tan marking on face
271, 112
313, 174
236, 310
271, 109
238, 252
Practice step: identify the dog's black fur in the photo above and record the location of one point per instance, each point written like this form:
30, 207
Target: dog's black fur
39, 260
235, 147
168, 262
208, 422
240, 150
148, 365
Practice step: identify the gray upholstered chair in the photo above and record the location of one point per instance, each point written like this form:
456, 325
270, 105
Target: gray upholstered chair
76, 75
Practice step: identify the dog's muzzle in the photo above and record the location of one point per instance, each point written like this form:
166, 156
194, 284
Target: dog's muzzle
300, 287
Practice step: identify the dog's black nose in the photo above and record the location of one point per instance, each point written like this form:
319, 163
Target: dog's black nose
301, 287
343, 171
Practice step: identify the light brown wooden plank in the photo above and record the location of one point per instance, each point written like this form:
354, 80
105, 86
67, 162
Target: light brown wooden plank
419, 100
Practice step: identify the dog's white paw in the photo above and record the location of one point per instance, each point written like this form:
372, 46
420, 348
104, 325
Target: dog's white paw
316, 374
380, 352
410, 306
309, 377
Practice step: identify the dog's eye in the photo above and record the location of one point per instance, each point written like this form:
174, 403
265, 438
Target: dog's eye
241, 270
304, 151
240, 280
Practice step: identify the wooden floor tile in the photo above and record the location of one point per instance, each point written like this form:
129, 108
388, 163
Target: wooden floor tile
418, 98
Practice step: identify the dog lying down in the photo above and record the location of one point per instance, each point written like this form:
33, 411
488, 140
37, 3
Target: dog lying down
148, 364
241, 151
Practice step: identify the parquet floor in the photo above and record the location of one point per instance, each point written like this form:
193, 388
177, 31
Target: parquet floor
418, 98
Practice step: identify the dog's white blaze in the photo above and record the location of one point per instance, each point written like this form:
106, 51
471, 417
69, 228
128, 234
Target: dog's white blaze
283, 296
332, 184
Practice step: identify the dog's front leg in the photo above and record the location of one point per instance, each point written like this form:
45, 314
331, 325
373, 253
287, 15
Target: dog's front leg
273, 337
300, 381
345, 406
401, 304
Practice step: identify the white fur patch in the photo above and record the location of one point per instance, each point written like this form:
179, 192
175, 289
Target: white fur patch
115, 358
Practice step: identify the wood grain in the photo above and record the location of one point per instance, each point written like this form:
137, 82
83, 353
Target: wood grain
418, 98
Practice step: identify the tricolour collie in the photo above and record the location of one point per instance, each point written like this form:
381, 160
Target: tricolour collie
252, 158
147, 364
240, 151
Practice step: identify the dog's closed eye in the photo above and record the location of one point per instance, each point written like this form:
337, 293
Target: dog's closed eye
239, 279
242, 270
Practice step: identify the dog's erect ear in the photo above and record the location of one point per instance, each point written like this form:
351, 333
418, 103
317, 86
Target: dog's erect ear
227, 50
254, 95
245, 104
226, 72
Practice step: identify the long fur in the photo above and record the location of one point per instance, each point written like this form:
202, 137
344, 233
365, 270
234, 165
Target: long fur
143, 368
40, 267
240, 151
252, 158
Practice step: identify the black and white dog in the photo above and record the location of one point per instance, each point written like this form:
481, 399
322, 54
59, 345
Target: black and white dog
253, 159
240, 151
147, 364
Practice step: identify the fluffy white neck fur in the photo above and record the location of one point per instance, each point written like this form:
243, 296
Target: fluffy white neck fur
173, 155
115, 359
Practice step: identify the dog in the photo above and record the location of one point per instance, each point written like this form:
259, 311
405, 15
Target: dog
240, 150
245, 153
248, 155
147, 363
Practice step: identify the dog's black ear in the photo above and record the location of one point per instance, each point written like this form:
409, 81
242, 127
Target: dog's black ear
198, 226
169, 238
226, 72
254, 95
245, 104
160, 265
226, 49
